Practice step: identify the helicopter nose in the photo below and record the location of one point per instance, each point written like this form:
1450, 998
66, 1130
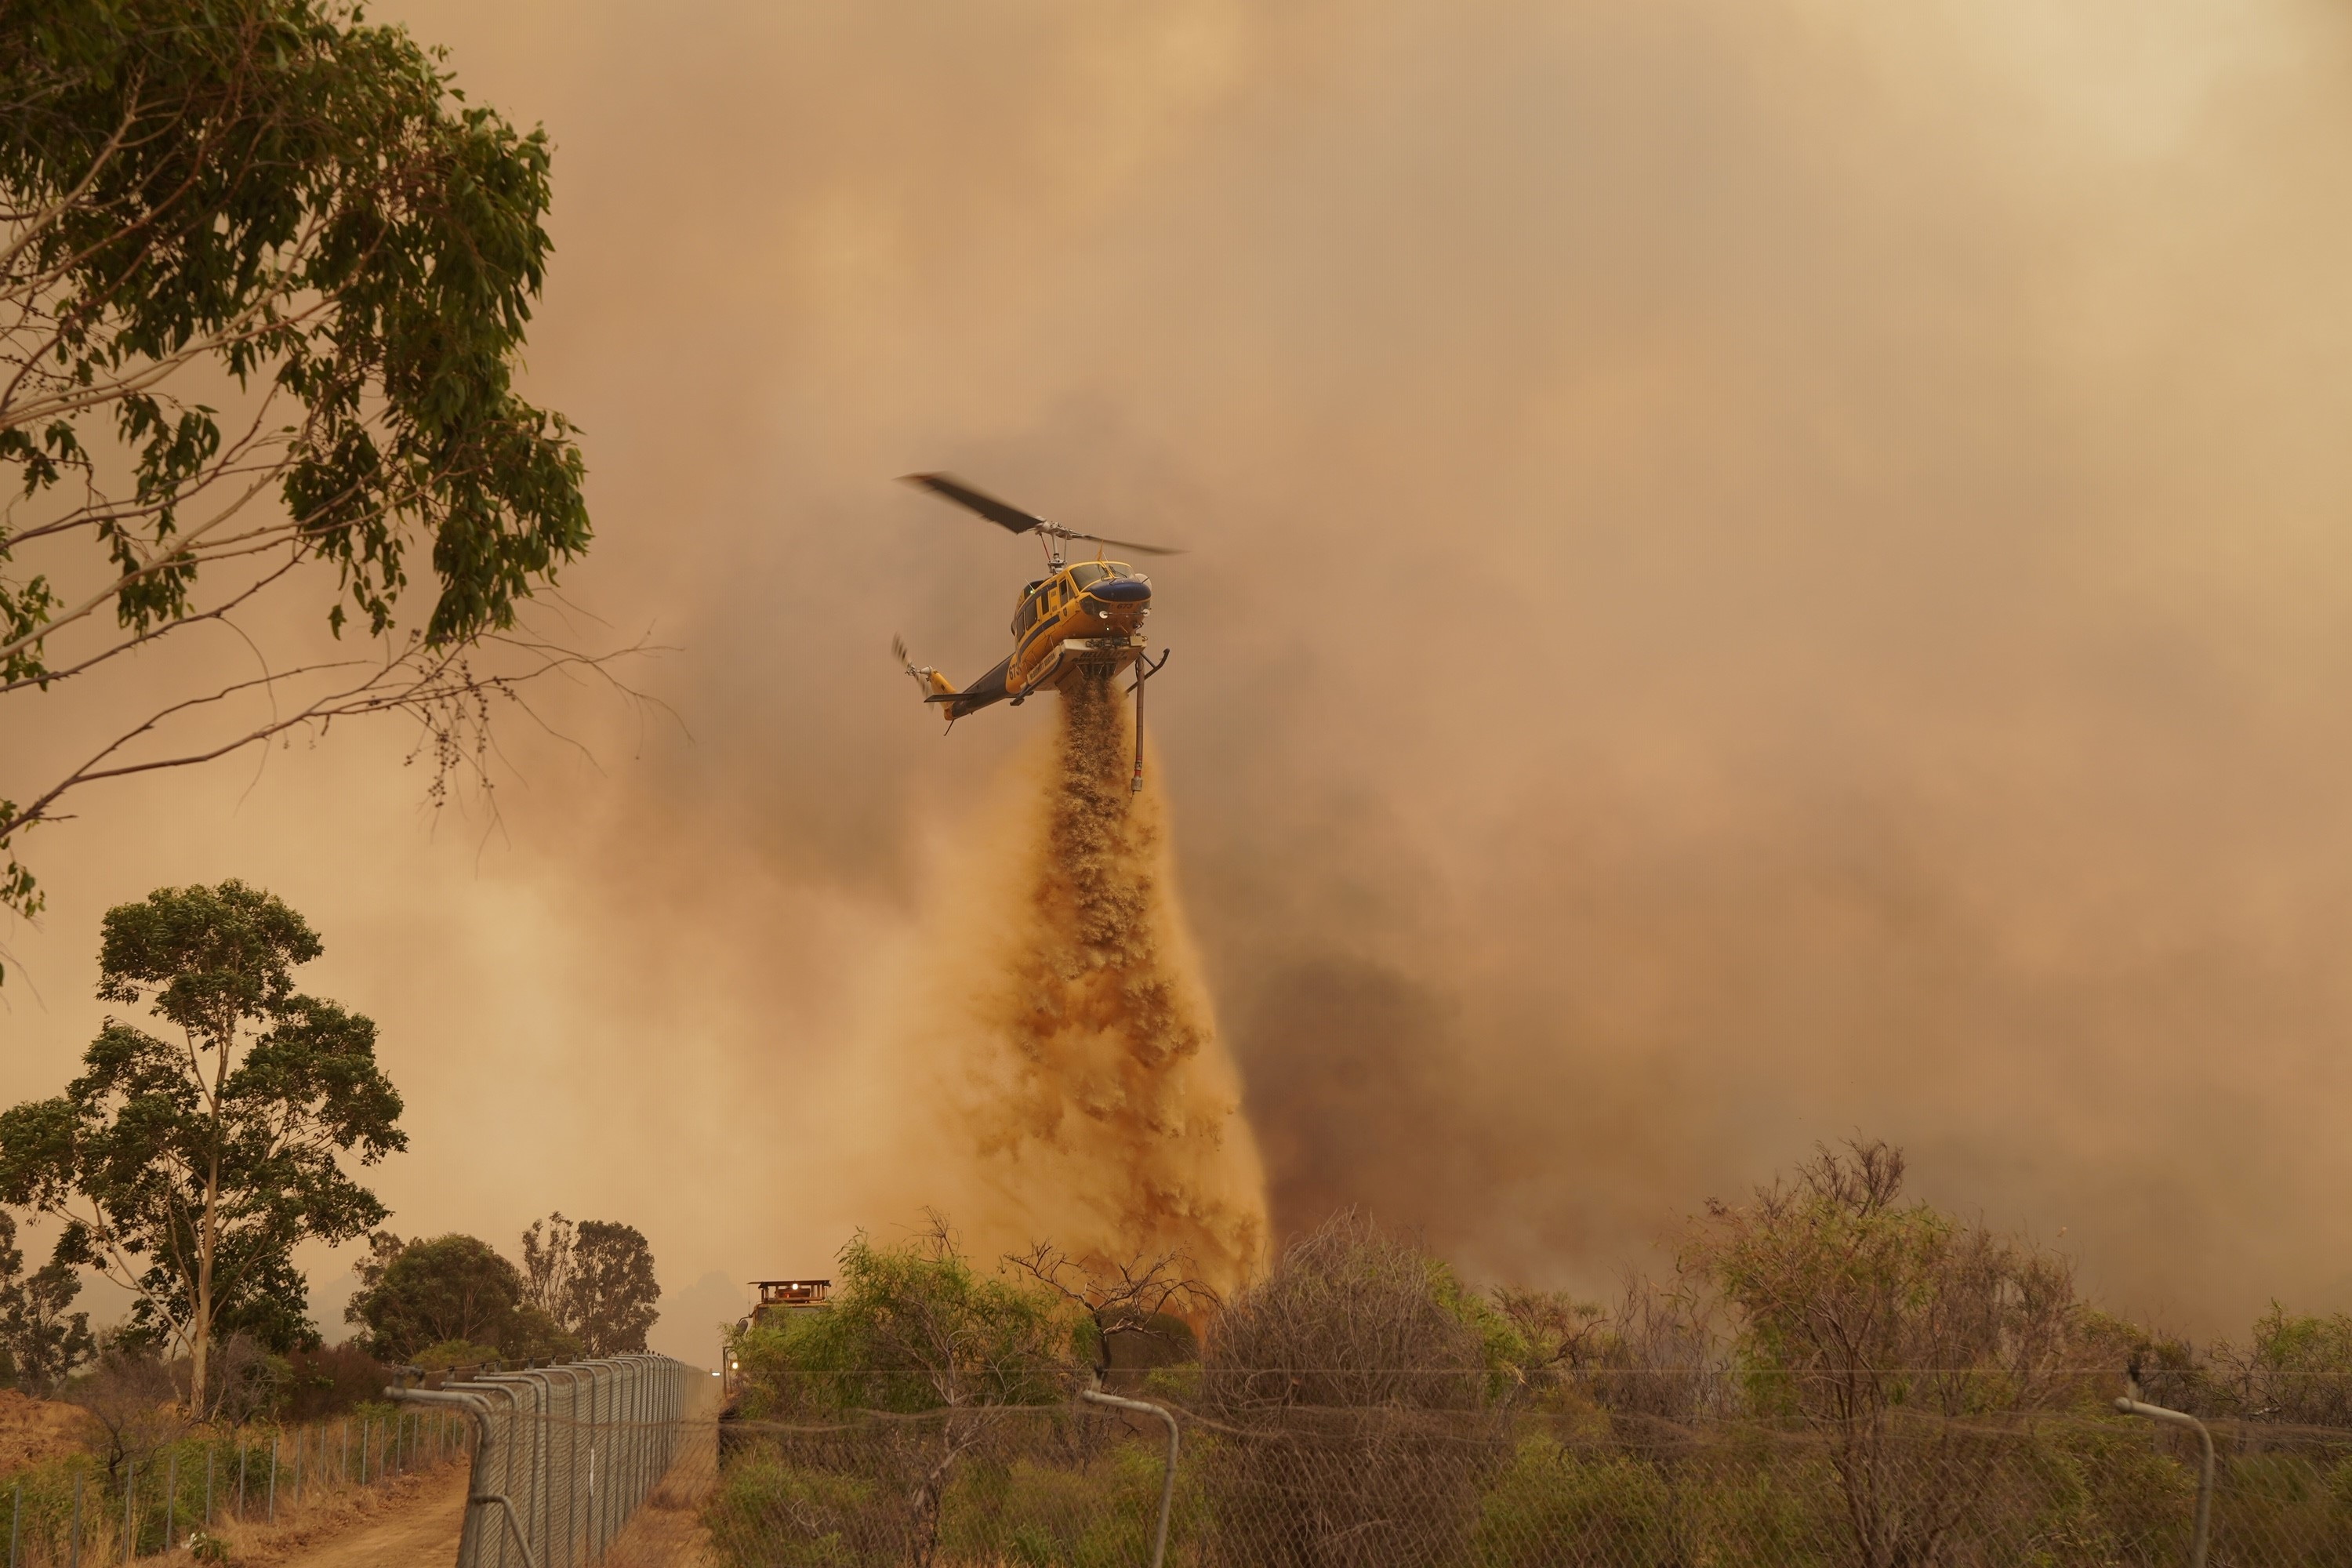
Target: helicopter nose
1121, 591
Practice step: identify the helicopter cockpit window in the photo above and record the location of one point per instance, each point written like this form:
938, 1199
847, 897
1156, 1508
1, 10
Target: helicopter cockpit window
1088, 573
1024, 614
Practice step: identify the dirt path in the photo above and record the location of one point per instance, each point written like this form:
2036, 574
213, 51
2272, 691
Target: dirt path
412, 1522
421, 1530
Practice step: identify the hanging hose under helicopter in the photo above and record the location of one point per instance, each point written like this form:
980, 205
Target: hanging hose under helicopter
1144, 669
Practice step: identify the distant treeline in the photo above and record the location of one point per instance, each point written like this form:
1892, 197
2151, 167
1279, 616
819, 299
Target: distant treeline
1826, 1291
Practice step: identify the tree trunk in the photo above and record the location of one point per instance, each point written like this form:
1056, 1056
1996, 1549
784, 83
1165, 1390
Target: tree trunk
200, 1331
931, 1496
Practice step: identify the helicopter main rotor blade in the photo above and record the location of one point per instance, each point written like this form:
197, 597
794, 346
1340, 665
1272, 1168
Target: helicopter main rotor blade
1122, 543
1003, 513
949, 488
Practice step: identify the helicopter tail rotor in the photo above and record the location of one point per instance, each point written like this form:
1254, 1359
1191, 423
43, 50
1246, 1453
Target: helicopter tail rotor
933, 683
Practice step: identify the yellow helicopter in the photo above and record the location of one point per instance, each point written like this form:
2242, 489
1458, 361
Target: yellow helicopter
1082, 618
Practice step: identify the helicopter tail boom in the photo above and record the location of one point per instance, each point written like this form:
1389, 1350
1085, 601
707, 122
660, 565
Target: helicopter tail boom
988, 688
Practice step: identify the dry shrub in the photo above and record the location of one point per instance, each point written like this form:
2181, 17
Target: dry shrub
1347, 1399
247, 1382
1660, 1359
2294, 1369
133, 1404
1905, 1339
1135, 1310
330, 1380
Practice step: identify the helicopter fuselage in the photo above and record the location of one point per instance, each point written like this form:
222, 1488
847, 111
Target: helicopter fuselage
1083, 618
1087, 616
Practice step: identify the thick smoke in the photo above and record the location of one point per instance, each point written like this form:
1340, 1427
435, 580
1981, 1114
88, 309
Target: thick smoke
1100, 1110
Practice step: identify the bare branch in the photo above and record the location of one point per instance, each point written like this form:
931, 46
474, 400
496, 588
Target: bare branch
439, 688
217, 612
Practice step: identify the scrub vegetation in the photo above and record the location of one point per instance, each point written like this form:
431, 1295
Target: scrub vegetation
1832, 1373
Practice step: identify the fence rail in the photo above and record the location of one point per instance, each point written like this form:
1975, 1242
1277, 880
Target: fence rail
563, 1454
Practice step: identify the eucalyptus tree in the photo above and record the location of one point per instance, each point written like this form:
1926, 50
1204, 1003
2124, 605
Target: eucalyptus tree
186, 1164
263, 280
44, 1341
594, 1280
614, 1291
448, 1289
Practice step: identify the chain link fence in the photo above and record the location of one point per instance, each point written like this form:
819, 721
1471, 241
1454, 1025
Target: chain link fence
165, 1499
563, 1455
1079, 1485
1375, 1488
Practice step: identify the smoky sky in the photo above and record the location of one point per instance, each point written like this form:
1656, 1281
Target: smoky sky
1755, 573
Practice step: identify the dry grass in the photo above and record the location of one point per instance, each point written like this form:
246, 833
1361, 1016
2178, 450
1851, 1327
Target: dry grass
33, 1430
303, 1531
300, 1532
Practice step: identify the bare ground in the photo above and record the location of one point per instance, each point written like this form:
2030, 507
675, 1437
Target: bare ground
666, 1531
409, 1521
421, 1530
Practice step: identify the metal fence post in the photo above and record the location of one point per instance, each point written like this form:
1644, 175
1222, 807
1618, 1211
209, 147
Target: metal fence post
563, 1554
171, 1497
632, 1426
272, 1518
478, 1493
74, 1560
210, 1449
130, 1491
592, 1472
624, 1445
1168, 1480
540, 1471
2130, 1406
641, 1394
